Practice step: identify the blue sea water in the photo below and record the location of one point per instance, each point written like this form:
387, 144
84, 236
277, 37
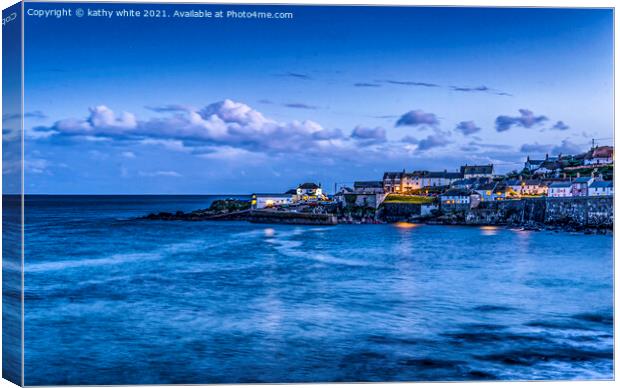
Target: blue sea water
114, 300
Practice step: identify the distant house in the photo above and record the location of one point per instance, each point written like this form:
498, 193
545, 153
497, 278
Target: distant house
533, 187
364, 194
486, 191
600, 155
601, 188
579, 187
262, 201
368, 187
307, 191
560, 189
392, 182
457, 199
477, 171
417, 180
534, 164
468, 183
516, 185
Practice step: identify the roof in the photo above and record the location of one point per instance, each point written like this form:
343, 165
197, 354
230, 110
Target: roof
456, 193
485, 169
513, 182
601, 184
486, 186
560, 184
309, 186
368, 185
291, 192
393, 175
533, 182
603, 152
583, 179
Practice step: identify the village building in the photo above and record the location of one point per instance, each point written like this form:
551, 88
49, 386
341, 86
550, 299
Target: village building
310, 191
533, 187
363, 194
424, 179
532, 165
599, 155
601, 188
392, 182
486, 191
516, 185
579, 187
262, 201
368, 187
477, 171
458, 199
560, 189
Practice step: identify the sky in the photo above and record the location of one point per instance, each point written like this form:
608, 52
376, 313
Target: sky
333, 95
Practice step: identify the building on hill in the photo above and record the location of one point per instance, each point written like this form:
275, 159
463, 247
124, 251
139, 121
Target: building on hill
532, 165
477, 171
601, 188
599, 155
393, 182
417, 180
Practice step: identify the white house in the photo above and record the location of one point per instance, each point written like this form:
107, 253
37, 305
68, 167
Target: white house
458, 199
560, 189
308, 190
601, 188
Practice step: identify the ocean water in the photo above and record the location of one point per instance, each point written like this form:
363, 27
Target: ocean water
113, 300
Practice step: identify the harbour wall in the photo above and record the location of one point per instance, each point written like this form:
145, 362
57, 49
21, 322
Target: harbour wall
573, 211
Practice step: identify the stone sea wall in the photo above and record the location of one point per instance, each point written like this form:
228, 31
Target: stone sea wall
581, 212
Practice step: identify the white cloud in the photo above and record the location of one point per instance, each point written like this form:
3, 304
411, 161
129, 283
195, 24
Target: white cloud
173, 174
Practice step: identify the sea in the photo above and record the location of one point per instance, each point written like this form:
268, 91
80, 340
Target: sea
112, 299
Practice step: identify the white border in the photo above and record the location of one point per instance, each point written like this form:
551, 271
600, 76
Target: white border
479, 3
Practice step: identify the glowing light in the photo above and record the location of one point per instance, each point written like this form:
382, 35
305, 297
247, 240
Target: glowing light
406, 225
489, 230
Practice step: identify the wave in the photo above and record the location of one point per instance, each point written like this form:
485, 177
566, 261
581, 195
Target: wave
115, 259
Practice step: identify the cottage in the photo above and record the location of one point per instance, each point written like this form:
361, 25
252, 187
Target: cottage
560, 189
579, 187
477, 171
458, 199
486, 191
308, 191
533, 187
262, 201
601, 188
600, 155
532, 165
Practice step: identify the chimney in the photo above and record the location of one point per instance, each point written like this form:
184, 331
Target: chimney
578, 174
546, 156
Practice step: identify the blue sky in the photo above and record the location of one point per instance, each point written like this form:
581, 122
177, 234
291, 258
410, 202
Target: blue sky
336, 94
